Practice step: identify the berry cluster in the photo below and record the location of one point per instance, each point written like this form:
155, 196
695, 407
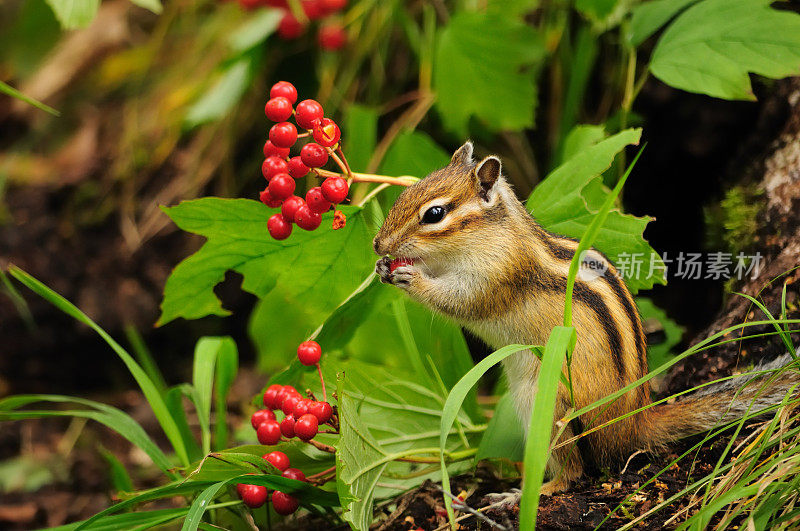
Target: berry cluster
331, 35
280, 170
302, 418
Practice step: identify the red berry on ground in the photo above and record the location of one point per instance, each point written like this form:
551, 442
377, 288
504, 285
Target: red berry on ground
279, 228
306, 218
309, 352
322, 410
287, 426
313, 155
326, 132
289, 404
268, 200
261, 416
334, 189
270, 394
278, 459
283, 134
281, 186
271, 150
278, 109
331, 6
297, 169
294, 473
306, 427
308, 112
400, 262
316, 201
252, 495
272, 166
283, 503
284, 89
290, 206
269, 432
289, 27
331, 37
301, 408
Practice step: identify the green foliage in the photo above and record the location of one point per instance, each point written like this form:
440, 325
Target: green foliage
713, 45
659, 353
14, 93
73, 14
504, 438
649, 17
224, 94
568, 199
733, 223
485, 67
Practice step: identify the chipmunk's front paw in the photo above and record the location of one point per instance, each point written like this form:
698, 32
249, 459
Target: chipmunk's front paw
401, 276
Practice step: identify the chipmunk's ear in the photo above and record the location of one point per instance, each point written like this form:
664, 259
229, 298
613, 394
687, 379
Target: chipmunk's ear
463, 155
486, 173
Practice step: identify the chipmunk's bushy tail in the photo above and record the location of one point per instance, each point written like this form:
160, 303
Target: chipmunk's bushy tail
717, 404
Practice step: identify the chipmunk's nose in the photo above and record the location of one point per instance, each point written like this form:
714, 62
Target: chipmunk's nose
377, 244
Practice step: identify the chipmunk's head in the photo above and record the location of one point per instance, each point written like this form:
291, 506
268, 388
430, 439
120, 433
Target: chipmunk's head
440, 217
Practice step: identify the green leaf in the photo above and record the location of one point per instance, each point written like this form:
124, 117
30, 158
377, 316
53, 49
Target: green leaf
225, 93
73, 14
579, 138
174, 400
567, 201
153, 5
713, 46
149, 389
137, 520
319, 268
503, 437
206, 352
361, 124
14, 93
109, 416
648, 17
659, 354
120, 479
227, 367
540, 430
414, 153
260, 25
483, 67
603, 14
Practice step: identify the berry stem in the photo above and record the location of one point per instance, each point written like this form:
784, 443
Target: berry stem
323, 473
375, 191
404, 180
322, 381
321, 446
342, 165
346, 164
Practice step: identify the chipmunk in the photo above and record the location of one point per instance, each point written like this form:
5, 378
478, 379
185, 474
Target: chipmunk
468, 249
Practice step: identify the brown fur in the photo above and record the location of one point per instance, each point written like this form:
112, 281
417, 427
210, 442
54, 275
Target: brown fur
493, 269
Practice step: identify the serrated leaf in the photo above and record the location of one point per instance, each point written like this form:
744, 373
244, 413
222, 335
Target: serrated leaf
714, 45
648, 17
483, 68
73, 14
319, 267
567, 200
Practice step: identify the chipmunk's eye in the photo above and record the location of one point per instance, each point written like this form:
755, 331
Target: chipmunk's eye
434, 214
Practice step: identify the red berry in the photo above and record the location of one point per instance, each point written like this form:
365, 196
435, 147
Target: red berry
297, 169
309, 352
400, 262
316, 201
278, 459
268, 199
313, 9
300, 409
272, 166
306, 218
334, 189
270, 394
252, 495
278, 109
331, 37
326, 132
294, 473
289, 404
284, 89
313, 155
284, 392
279, 228
306, 427
283, 503
269, 432
290, 206
307, 112
271, 150
289, 27
322, 410
287, 426
332, 6
283, 134
282, 186
261, 416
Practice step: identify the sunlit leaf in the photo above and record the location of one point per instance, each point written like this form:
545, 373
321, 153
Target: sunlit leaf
73, 14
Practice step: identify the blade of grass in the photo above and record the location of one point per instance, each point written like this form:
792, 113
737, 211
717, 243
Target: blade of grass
227, 367
785, 337
206, 352
145, 357
14, 93
147, 386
